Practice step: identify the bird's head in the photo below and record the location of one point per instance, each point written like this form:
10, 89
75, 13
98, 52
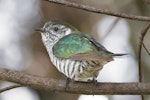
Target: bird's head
54, 30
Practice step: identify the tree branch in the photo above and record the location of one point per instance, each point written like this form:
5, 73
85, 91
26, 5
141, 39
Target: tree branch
49, 84
110, 28
146, 49
101, 11
143, 33
10, 87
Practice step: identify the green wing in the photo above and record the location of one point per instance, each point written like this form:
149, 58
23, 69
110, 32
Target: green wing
79, 46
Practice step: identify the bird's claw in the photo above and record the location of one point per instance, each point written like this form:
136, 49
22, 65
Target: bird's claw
94, 81
67, 82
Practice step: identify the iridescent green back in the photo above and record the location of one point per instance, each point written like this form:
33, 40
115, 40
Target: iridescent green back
80, 46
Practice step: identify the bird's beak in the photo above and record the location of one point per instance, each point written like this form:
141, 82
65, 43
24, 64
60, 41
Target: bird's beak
40, 30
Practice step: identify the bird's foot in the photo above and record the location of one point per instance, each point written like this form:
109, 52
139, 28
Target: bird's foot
94, 81
67, 82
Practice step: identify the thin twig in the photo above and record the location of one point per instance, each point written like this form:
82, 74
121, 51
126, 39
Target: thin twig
143, 33
146, 49
49, 84
10, 87
147, 1
140, 64
110, 28
142, 96
101, 11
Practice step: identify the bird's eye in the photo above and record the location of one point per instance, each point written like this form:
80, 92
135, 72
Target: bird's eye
55, 29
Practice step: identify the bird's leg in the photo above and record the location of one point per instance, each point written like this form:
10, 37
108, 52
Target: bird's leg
94, 81
67, 82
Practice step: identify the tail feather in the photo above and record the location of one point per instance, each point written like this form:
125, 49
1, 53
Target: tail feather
119, 54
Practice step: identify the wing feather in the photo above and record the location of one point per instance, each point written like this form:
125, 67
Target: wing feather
78, 46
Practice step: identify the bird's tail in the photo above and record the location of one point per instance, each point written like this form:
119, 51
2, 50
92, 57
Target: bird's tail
119, 54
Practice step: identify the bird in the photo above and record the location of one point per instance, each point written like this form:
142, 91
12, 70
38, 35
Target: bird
75, 54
